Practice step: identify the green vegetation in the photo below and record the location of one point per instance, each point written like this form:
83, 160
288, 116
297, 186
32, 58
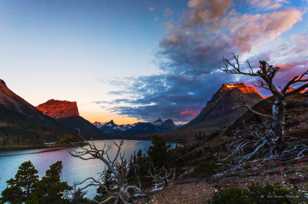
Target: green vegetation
143, 168
159, 153
21, 188
68, 140
26, 187
206, 168
257, 194
158, 161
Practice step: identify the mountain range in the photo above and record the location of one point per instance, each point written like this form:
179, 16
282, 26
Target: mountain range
22, 123
139, 129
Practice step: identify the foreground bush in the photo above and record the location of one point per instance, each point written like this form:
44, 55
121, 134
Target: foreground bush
257, 194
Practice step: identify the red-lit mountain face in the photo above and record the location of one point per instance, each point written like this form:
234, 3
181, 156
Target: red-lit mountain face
59, 109
66, 113
21, 123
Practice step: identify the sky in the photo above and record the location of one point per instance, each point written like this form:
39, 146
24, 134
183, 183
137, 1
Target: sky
131, 60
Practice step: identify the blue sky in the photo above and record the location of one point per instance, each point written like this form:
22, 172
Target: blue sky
70, 49
97, 52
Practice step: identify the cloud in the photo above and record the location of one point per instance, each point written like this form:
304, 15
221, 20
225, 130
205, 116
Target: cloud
290, 54
207, 10
169, 96
191, 56
200, 47
268, 4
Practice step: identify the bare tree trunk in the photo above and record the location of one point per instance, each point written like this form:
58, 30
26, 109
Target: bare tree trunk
278, 123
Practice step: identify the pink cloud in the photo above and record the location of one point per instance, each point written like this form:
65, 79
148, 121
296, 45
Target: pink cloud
251, 30
189, 113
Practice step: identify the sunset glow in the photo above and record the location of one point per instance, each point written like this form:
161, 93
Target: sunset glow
144, 60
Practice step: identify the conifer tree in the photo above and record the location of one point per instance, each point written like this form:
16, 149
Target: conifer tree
21, 187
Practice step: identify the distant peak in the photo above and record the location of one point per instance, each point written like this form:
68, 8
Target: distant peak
158, 120
111, 122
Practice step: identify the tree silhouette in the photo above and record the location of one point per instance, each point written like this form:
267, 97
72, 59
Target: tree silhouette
159, 152
21, 187
50, 189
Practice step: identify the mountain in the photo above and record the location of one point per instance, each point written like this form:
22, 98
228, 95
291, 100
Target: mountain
67, 114
222, 110
224, 104
59, 109
137, 129
21, 123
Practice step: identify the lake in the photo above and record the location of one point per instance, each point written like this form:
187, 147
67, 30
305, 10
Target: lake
74, 169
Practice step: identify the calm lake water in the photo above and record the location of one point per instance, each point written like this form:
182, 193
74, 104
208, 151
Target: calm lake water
74, 169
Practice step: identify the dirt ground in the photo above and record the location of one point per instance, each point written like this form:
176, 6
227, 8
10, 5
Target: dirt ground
199, 191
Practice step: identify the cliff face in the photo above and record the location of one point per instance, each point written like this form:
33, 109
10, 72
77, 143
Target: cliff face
59, 109
66, 113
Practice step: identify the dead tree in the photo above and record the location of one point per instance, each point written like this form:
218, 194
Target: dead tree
118, 190
265, 74
116, 186
161, 178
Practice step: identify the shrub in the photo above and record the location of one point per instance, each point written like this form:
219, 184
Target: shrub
232, 196
257, 194
206, 168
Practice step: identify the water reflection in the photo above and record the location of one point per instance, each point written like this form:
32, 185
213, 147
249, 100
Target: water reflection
74, 169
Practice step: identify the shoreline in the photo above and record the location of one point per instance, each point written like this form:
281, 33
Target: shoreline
37, 147
64, 146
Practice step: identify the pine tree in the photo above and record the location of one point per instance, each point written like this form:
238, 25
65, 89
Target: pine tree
50, 188
159, 153
79, 198
20, 188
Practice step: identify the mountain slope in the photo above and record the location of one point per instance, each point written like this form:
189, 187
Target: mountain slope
224, 103
21, 123
82, 127
296, 123
219, 113
67, 114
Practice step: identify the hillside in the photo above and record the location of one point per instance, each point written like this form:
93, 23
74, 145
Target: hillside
220, 112
21, 123
251, 125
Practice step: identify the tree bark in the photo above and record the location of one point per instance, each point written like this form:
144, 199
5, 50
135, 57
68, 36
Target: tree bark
278, 122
